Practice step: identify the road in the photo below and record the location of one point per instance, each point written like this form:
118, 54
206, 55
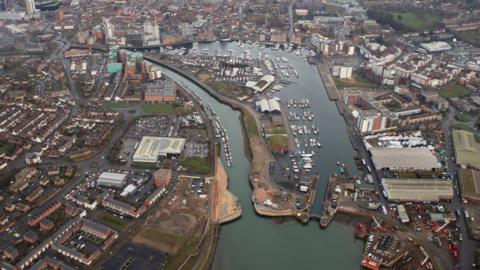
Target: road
290, 21
468, 245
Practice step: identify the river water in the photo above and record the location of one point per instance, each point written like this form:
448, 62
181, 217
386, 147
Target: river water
254, 242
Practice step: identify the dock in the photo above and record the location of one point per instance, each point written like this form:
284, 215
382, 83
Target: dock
328, 82
225, 206
304, 214
327, 210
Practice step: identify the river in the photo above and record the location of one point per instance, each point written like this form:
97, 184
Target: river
254, 242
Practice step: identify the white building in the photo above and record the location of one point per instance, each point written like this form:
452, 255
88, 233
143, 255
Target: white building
109, 29
30, 6
110, 179
150, 148
404, 159
262, 84
151, 33
342, 72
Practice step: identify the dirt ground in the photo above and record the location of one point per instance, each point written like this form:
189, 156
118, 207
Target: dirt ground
167, 232
204, 76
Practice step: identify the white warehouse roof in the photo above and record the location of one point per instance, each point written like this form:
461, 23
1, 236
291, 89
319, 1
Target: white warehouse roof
436, 46
151, 147
404, 158
111, 179
262, 84
408, 189
270, 105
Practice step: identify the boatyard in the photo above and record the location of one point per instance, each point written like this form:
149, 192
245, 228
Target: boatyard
293, 170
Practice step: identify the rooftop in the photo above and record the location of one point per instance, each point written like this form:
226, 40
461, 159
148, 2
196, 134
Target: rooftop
151, 147
404, 158
111, 179
470, 183
466, 148
161, 88
412, 189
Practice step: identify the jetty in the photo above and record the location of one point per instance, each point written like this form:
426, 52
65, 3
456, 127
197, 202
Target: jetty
328, 81
224, 205
329, 208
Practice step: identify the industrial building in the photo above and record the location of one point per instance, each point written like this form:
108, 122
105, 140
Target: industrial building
418, 190
268, 105
467, 150
161, 91
110, 179
437, 46
470, 184
402, 213
150, 148
262, 84
404, 159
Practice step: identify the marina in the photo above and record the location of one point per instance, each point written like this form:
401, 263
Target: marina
221, 135
243, 243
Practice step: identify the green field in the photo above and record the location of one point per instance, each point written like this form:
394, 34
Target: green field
278, 141
93, 164
250, 125
119, 105
276, 130
197, 165
416, 20
144, 165
463, 117
468, 181
164, 108
454, 90
112, 221
461, 127
407, 175
405, 20
472, 36
6, 148
356, 81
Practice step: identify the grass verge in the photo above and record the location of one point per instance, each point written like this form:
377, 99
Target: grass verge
250, 125
112, 221
164, 108
197, 165
463, 118
454, 90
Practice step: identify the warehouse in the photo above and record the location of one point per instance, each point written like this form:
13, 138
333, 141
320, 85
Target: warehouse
268, 105
436, 46
150, 148
161, 91
467, 150
470, 184
404, 159
418, 190
110, 179
262, 84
